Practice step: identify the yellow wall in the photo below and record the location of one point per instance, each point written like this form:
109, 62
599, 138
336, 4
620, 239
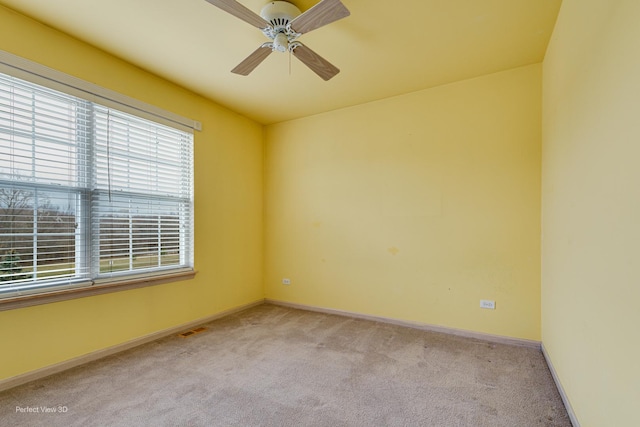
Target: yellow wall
414, 207
228, 217
591, 209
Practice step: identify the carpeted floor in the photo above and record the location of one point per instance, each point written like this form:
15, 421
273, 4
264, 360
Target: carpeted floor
276, 366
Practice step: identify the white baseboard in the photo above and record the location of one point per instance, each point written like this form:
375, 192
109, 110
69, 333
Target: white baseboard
563, 395
416, 325
17, 380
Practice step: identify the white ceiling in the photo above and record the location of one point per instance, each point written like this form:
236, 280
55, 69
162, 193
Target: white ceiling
385, 48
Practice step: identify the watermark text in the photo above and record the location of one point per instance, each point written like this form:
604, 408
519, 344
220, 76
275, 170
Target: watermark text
60, 409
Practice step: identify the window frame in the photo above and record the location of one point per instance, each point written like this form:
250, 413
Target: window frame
83, 287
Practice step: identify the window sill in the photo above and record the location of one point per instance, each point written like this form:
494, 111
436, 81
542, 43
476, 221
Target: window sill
96, 289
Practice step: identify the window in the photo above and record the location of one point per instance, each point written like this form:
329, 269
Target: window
88, 194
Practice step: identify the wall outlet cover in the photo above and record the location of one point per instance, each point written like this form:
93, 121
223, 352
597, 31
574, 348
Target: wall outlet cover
485, 303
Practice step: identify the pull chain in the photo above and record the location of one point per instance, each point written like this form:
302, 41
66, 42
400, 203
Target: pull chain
109, 153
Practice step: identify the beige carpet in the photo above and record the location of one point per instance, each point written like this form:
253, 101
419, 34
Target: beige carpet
276, 366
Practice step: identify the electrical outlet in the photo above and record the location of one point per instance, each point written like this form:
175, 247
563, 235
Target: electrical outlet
286, 281
485, 303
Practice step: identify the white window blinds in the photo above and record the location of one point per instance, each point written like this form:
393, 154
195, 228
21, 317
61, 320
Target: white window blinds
43, 140
88, 192
142, 193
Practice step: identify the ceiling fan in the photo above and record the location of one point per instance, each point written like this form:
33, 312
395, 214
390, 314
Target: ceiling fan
282, 22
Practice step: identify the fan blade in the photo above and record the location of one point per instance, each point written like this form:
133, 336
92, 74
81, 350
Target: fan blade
318, 64
323, 13
253, 60
241, 12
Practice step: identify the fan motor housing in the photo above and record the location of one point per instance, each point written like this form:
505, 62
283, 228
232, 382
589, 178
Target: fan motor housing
279, 13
